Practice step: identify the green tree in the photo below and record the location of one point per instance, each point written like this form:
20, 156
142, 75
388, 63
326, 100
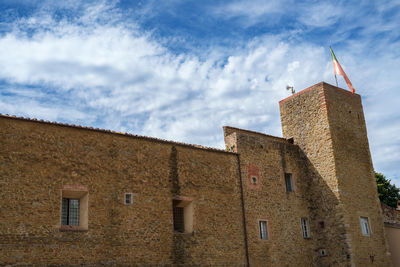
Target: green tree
388, 193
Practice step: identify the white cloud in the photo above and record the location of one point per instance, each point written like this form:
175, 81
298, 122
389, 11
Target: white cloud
116, 76
253, 9
249, 13
127, 72
315, 14
320, 14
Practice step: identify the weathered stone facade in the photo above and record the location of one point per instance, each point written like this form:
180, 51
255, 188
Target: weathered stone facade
272, 157
327, 123
391, 218
324, 156
38, 159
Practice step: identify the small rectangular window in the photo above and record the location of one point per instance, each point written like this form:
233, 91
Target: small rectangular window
183, 215
365, 226
305, 227
289, 182
128, 198
179, 219
263, 230
74, 208
70, 211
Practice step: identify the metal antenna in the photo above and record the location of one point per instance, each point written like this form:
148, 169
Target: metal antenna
291, 89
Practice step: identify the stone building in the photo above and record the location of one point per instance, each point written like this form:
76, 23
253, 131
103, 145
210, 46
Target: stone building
391, 219
73, 195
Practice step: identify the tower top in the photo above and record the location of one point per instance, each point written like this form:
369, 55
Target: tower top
315, 86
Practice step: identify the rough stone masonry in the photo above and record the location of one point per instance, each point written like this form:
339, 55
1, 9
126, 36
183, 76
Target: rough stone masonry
73, 195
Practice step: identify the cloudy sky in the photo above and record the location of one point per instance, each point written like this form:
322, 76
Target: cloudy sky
181, 69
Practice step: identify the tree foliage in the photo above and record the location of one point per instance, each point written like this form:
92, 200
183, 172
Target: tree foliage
388, 193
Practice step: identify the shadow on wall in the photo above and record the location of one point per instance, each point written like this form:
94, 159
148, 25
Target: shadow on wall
331, 247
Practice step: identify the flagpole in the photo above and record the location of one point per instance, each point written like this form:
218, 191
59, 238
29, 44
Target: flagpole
334, 73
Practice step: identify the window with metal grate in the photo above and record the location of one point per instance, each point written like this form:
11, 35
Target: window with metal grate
179, 219
305, 227
70, 211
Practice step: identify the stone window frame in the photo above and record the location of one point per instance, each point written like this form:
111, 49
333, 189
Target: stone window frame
322, 252
368, 225
259, 220
131, 198
80, 192
187, 203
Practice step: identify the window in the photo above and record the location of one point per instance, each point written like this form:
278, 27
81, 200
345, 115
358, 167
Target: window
70, 211
183, 215
179, 219
305, 227
253, 177
322, 252
128, 198
263, 230
74, 208
365, 226
289, 182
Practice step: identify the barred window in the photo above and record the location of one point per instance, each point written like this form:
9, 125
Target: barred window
70, 211
179, 220
183, 215
305, 227
263, 230
289, 182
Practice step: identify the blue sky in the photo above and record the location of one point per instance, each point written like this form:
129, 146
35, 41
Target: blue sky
180, 70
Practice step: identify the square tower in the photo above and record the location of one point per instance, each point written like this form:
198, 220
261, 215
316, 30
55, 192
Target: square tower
328, 124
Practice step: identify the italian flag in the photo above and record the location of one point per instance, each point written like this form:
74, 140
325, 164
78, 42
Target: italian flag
339, 71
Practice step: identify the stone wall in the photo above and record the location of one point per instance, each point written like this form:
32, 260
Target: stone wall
325, 149
268, 158
391, 216
328, 125
304, 118
37, 160
356, 178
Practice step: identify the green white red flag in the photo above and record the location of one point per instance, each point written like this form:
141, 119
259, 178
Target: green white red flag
339, 71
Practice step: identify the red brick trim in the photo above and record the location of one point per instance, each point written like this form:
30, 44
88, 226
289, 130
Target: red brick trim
253, 171
323, 98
